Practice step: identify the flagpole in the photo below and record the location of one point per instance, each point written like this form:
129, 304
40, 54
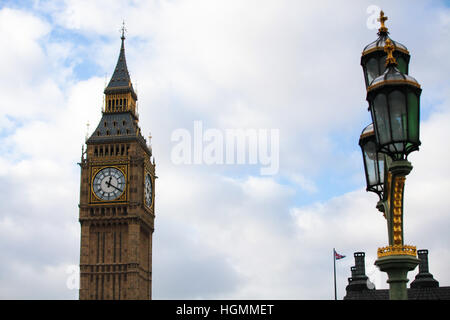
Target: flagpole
334, 264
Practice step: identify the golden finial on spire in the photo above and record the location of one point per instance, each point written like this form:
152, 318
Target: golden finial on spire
123, 30
382, 19
389, 49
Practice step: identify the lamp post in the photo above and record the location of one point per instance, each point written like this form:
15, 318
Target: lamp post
394, 104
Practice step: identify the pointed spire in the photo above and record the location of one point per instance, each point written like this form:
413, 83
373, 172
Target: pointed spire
120, 79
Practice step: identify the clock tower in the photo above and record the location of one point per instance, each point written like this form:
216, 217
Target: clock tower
117, 199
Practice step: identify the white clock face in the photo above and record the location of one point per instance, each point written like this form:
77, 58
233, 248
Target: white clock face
109, 184
148, 190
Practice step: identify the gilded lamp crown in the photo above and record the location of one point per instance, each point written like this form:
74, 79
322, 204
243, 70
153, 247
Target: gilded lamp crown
389, 49
382, 19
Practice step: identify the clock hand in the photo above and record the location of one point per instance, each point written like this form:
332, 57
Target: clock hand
109, 184
117, 188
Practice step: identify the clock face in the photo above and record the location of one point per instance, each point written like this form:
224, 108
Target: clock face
148, 188
109, 184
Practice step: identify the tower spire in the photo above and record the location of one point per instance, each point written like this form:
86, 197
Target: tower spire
121, 77
120, 94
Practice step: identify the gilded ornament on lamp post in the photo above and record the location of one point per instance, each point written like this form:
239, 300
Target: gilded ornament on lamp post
382, 19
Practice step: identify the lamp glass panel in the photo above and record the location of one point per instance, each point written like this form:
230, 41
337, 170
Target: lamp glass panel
396, 148
381, 65
381, 168
402, 66
381, 118
413, 117
372, 70
397, 104
371, 159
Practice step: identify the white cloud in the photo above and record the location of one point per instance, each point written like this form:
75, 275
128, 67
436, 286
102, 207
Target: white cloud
252, 64
304, 183
41, 143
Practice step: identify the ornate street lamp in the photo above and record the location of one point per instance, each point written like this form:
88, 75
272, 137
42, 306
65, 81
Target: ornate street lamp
394, 100
394, 104
373, 58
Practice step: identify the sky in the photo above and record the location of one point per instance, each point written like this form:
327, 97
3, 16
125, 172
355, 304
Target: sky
221, 231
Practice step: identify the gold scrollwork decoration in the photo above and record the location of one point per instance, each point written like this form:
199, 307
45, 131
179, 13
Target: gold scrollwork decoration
399, 184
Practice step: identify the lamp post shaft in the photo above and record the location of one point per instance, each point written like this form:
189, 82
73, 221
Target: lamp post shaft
397, 268
396, 259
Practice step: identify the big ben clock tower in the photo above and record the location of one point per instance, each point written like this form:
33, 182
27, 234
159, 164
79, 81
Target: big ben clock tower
117, 199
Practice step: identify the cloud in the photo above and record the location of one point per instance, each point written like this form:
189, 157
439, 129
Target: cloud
41, 143
221, 232
304, 183
182, 257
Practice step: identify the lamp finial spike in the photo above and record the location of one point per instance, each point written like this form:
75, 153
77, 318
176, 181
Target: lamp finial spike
382, 19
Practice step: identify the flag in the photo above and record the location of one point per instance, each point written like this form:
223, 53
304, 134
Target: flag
338, 256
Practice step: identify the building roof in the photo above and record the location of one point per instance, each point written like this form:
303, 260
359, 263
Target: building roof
117, 128
440, 293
